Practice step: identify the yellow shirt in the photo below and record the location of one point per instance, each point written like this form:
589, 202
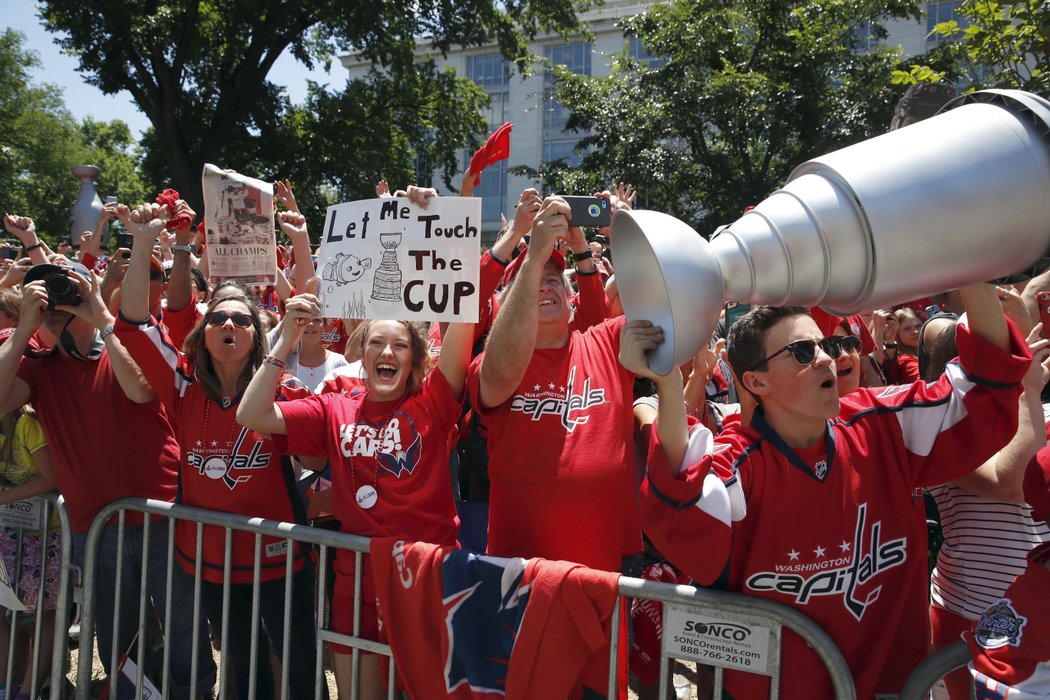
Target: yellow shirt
28, 438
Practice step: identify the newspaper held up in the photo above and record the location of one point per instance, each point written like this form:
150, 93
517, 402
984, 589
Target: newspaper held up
240, 239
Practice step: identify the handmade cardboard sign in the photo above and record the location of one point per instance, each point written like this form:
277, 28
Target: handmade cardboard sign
388, 258
239, 235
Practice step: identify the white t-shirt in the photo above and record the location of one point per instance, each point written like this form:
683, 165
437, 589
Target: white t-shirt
313, 376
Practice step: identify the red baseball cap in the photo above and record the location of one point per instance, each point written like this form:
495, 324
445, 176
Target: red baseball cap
512, 269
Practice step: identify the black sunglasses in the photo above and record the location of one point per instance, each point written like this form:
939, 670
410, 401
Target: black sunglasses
217, 318
805, 351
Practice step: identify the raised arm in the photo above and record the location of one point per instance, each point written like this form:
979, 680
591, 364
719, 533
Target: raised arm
528, 206
513, 336
455, 355
144, 223
986, 319
637, 337
1001, 477
294, 226
257, 409
14, 392
94, 311
23, 228
180, 282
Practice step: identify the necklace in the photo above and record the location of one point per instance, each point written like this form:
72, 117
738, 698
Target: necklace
217, 466
367, 496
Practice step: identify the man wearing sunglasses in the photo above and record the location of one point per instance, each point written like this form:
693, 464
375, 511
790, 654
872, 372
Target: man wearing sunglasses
810, 504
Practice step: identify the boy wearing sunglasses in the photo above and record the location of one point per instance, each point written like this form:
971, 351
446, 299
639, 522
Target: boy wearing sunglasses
810, 503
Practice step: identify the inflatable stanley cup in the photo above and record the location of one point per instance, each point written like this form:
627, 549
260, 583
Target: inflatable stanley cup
959, 198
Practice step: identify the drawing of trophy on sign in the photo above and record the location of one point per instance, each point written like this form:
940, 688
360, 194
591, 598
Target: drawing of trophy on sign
386, 285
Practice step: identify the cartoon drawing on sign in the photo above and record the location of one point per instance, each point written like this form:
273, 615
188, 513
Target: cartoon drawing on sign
345, 268
355, 307
387, 283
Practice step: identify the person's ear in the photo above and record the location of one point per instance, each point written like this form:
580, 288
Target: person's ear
756, 382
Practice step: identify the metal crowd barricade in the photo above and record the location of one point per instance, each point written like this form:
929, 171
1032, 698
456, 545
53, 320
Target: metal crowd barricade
324, 540
728, 630
725, 630
935, 667
48, 503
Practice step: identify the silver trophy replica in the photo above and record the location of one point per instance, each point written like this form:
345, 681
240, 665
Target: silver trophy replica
386, 285
88, 207
956, 199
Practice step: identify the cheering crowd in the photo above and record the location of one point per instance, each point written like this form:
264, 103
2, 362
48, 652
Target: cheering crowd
798, 457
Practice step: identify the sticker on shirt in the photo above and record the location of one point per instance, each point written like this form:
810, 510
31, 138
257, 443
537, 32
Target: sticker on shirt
728, 640
217, 460
557, 400
849, 569
397, 447
1000, 626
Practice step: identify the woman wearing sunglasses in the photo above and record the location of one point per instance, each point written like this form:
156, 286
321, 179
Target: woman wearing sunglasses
225, 466
387, 446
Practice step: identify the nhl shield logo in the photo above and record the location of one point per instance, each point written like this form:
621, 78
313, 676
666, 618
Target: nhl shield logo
1000, 626
821, 469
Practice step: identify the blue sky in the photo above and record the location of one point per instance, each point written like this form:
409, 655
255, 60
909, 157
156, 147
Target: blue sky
84, 100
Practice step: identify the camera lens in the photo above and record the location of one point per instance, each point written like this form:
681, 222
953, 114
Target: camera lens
61, 291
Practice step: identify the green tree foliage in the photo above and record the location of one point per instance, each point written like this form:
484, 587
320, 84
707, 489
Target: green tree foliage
748, 90
336, 146
40, 141
197, 68
1004, 45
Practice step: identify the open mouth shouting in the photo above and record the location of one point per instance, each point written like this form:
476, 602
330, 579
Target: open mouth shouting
386, 370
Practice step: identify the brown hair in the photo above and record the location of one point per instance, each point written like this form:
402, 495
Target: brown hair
11, 303
746, 341
197, 351
421, 360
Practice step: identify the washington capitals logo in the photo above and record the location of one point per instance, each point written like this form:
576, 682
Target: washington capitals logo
561, 402
484, 601
397, 448
217, 461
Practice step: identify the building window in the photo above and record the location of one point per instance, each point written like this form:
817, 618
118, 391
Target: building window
862, 38
492, 72
636, 49
943, 11
558, 145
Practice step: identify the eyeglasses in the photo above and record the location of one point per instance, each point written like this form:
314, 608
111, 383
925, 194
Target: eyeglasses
218, 318
805, 351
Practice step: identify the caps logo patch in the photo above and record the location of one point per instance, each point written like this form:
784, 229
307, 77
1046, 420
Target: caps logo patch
1000, 626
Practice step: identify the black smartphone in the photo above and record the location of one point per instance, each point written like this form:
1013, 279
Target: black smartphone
125, 240
588, 211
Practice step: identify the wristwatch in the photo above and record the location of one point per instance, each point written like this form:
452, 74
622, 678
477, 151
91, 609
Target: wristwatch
185, 248
105, 332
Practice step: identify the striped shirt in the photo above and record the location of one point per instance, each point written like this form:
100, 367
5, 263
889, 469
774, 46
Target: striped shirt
985, 548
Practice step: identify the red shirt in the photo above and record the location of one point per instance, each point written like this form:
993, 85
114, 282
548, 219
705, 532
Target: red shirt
561, 462
225, 466
104, 445
334, 336
407, 464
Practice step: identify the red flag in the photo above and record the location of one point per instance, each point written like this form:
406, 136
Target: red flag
496, 148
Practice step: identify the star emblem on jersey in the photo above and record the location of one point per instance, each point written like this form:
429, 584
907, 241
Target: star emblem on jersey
484, 600
566, 404
851, 576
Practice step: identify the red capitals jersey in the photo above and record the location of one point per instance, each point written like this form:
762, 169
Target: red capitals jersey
1010, 644
225, 466
561, 462
476, 627
334, 336
830, 529
404, 459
